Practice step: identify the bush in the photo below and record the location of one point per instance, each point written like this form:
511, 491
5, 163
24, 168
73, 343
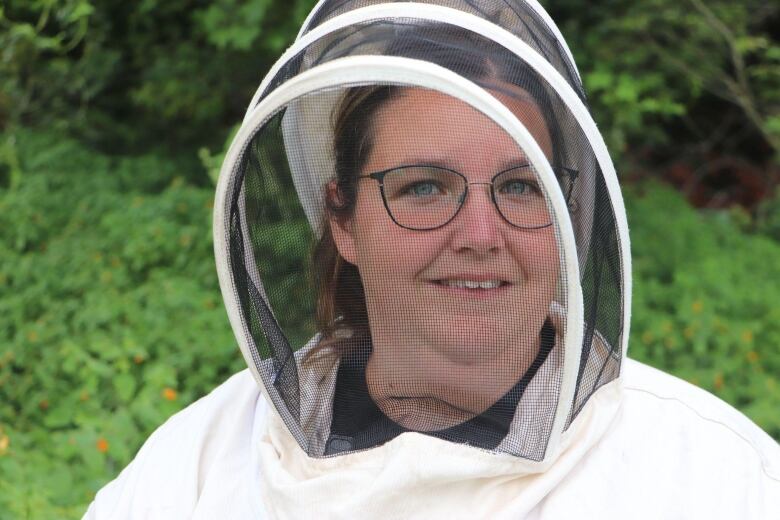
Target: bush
702, 78
110, 320
706, 301
129, 75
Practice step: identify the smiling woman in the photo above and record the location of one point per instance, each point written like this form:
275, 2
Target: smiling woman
469, 270
477, 287
445, 254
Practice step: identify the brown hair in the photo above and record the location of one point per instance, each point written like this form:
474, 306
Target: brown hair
341, 306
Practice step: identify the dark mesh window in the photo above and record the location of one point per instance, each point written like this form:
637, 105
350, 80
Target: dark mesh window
453, 254
515, 16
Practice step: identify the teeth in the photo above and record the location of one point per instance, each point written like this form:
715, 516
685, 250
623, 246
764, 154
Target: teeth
471, 284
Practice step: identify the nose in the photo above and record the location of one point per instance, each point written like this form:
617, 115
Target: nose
477, 226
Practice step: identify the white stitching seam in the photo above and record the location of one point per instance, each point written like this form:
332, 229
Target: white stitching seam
732, 430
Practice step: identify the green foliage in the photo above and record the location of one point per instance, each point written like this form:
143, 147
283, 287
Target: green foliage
36, 70
706, 301
127, 75
110, 318
767, 219
110, 315
233, 24
650, 66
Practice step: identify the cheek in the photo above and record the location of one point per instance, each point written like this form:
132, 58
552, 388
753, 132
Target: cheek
537, 254
384, 248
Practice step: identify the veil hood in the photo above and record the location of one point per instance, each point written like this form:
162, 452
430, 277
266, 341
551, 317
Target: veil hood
270, 214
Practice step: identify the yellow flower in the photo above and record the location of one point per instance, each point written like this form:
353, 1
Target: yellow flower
4, 442
747, 336
718, 382
752, 356
697, 306
102, 445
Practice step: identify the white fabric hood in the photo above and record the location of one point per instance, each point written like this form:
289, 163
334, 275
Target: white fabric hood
476, 292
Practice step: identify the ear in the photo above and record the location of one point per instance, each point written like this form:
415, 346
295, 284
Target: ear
341, 229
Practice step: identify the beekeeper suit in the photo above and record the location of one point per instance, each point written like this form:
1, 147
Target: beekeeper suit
424, 255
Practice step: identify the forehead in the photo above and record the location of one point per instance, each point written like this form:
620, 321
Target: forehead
419, 121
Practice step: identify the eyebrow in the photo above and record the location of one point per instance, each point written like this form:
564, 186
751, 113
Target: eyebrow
448, 164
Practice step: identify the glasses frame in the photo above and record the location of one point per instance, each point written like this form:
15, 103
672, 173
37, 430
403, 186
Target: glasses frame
379, 176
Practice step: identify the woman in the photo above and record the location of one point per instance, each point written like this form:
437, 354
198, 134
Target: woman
472, 284
477, 248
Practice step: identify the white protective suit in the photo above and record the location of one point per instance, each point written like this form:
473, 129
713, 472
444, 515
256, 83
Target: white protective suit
580, 431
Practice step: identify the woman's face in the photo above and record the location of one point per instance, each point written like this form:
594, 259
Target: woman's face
444, 352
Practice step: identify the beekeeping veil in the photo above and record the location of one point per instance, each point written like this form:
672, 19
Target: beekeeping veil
418, 229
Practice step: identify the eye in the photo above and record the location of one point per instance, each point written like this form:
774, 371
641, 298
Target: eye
515, 187
518, 188
517, 184
422, 189
421, 184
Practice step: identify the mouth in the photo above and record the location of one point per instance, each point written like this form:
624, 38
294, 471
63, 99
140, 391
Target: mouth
455, 283
472, 286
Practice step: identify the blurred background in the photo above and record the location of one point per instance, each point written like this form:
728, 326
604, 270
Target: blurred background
115, 115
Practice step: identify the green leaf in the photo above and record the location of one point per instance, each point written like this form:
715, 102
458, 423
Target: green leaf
125, 386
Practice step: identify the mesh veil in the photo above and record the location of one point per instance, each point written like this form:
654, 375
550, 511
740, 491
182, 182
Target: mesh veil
351, 352
526, 20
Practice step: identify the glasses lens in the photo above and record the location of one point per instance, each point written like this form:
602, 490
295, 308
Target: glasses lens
520, 198
423, 197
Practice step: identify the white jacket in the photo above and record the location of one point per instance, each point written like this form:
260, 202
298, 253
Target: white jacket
671, 451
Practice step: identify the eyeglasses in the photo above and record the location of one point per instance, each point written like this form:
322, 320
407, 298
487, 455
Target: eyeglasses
423, 198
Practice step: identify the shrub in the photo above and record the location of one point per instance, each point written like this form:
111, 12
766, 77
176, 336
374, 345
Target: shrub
706, 301
111, 318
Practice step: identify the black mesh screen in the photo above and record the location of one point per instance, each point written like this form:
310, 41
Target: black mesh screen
396, 170
487, 296
515, 16
472, 55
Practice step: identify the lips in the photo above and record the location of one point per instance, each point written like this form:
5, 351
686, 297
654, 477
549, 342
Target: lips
471, 284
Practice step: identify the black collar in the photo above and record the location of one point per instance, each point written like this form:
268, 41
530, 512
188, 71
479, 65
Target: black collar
359, 424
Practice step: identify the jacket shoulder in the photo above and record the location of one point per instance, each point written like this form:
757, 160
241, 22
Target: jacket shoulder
206, 442
683, 406
672, 451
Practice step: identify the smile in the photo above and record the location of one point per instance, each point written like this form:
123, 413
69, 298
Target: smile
471, 284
